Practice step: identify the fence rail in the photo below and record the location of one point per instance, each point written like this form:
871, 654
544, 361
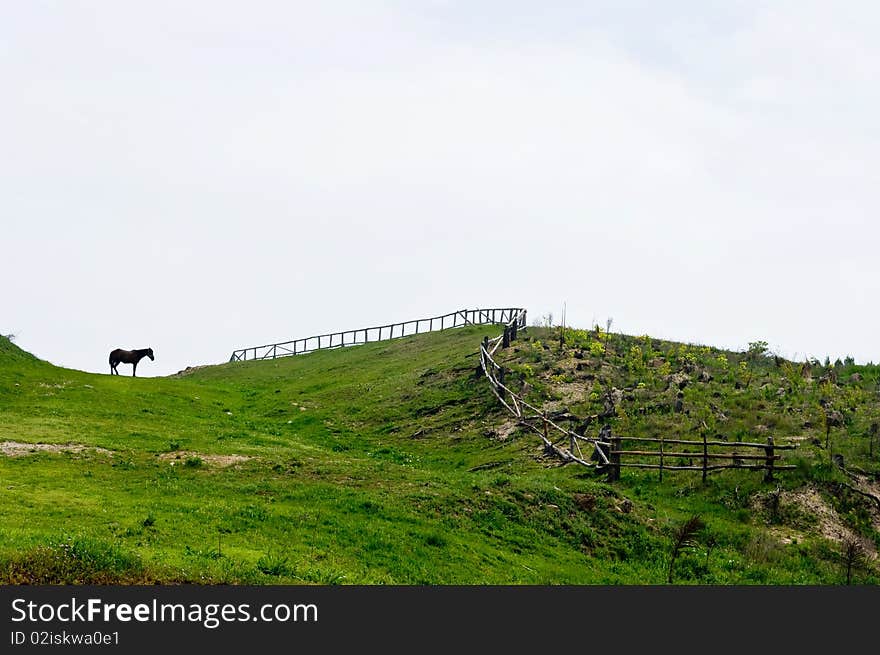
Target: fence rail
361, 336
729, 453
608, 452
528, 415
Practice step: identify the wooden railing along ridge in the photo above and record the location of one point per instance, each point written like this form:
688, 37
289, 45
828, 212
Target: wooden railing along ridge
361, 336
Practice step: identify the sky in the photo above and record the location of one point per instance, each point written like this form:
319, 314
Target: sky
203, 176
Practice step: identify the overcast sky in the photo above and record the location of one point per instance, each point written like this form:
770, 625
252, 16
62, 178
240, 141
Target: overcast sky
202, 176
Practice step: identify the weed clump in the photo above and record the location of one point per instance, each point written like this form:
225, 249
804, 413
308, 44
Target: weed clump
74, 560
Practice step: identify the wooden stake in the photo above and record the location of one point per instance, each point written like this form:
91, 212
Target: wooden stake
661, 458
705, 457
614, 468
768, 476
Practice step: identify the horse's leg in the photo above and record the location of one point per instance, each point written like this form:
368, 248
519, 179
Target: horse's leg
133, 368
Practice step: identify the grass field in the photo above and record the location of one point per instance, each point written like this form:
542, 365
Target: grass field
392, 462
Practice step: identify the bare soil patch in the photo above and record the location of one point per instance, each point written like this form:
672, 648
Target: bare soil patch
219, 461
188, 370
506, 429
828, 521
21, 449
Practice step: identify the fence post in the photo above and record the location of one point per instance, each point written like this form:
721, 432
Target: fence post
483, 365
705, 457
661, 457
614, 457
513, 331
768, 450
505, 340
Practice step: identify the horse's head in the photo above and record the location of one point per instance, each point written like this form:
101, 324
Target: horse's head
150, 354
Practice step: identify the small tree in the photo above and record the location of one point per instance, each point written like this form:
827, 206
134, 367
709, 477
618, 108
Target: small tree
833, 419
757, 349
607, 333
852, 556
684, 536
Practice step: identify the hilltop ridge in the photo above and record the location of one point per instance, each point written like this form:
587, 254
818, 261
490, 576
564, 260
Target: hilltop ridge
392, 462
10, 352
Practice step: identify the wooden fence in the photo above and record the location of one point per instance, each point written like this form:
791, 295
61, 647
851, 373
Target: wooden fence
606, 451
528, 415
694, 455
360, 336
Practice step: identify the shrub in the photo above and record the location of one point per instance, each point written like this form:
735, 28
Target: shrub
577, 338
272, 564
435, 540
757, 348
635, 361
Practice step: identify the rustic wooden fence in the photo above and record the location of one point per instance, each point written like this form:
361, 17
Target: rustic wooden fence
528, 415
703, 455
606, 451
360, 336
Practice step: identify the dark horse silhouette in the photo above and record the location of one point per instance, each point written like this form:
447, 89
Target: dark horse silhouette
132, 357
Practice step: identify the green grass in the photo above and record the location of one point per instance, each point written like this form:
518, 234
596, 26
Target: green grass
378, 465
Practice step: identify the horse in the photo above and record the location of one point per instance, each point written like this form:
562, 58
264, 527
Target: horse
128, 357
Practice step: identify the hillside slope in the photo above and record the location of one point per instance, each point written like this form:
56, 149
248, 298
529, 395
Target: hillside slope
393, 463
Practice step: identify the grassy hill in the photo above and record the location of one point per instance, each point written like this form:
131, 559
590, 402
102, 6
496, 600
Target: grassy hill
393, 463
